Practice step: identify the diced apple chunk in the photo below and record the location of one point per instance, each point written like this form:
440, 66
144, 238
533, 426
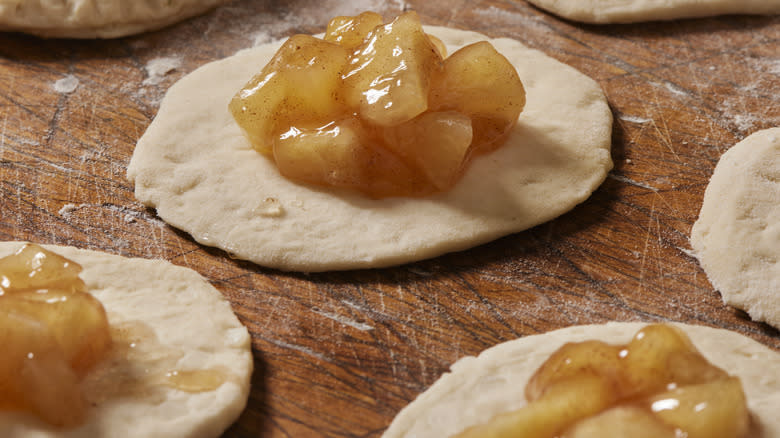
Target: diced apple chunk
351, 31
566, 402
660, 355
52, 332
338, 155
389, 76
708, 410
77, 322
33, 268
34, 374
481, 83
327, 155
436, 143
299, 85
573, 359
439, 44
621, 422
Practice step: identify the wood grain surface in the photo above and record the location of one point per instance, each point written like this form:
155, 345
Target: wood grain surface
338, 354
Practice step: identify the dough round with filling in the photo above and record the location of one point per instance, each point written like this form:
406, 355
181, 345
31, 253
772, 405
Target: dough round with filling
187, 315
630, 11
96, 18
195, 166
478, 388
737, 235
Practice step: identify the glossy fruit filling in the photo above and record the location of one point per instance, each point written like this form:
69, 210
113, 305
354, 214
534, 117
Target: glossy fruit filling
378, 108
657, 385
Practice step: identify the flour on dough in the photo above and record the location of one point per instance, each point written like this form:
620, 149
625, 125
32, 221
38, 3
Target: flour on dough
96, 18
478, 388
195, 167
188, 316
630, 11
737, 235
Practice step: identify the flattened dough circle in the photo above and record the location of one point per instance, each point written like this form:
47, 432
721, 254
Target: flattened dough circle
194, 165
187, 314
478, 388
630, 11
96, 18
737, 235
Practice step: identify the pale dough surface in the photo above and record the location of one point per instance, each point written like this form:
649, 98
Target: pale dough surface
194, 165
737, 235
478, 388
629, 11
187, 314
96, 18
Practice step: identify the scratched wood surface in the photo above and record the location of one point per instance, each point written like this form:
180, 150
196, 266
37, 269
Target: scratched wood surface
338, 354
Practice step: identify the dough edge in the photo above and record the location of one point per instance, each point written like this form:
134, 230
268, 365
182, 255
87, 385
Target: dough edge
165, 171
193, 303
735, 238
452, 403
632, 11
96, 18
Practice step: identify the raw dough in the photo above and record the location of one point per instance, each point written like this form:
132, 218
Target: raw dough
187, 314
478, 388
737, 235
96, 18
629, 11
194, 165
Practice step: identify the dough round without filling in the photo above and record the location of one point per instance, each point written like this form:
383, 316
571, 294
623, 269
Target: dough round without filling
96, 18
195, 166
737, 235
630, 11
478, 388
188, 316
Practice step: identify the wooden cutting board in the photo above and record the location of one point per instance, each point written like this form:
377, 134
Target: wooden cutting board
338, 354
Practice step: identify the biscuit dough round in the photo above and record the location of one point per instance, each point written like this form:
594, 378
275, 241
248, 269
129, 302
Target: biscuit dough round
478, 388
96, 18
737, 235
630, 11
195, 166
189, 316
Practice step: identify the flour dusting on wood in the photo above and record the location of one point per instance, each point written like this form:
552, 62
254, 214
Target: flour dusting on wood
157, 68
66, 85
242, 18
344, 320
